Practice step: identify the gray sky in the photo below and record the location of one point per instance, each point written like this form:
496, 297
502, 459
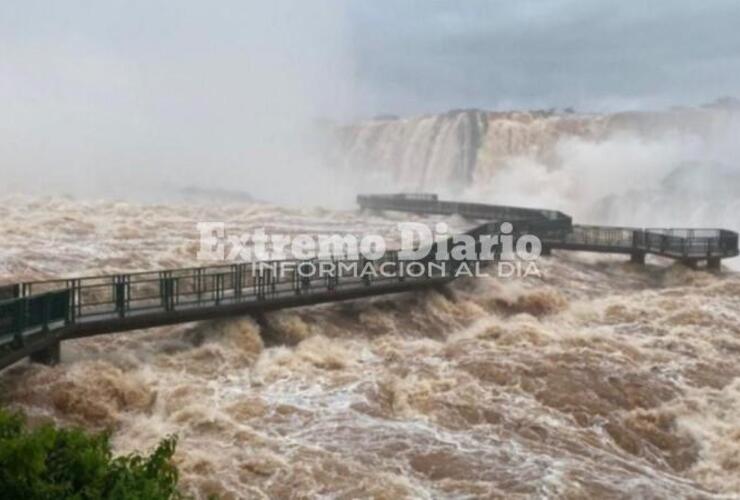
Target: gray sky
127, 94
96, 93
415, 55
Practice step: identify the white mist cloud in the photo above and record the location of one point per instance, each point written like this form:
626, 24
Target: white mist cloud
109, 98
589, 171
669, 180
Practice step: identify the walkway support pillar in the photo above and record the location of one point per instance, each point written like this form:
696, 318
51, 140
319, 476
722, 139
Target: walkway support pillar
713, 263
637, 257
49, 355
692, 263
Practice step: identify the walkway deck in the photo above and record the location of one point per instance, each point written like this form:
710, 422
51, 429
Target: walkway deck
557, 231
36, 316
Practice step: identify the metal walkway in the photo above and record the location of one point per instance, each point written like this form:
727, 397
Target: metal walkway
36, 316
557, 231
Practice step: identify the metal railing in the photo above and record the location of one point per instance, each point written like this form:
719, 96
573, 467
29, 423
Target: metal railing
41, 308
38, 313
501, 213
597, 236
556, 229
673, 242
688, 243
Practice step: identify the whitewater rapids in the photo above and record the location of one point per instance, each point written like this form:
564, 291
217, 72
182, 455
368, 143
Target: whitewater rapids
600, 378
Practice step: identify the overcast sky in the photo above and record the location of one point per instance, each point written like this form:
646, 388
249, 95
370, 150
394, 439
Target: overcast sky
99, 91
417, 55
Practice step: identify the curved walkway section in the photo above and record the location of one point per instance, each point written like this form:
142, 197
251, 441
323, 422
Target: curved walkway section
556, 230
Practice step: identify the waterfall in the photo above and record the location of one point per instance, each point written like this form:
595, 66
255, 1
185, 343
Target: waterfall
453, 151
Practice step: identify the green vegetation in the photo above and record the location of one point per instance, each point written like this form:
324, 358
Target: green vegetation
59, 463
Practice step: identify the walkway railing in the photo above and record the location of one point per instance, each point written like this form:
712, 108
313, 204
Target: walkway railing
551, 219
675, 243
30, 315
556, 229
35, 316
42, 310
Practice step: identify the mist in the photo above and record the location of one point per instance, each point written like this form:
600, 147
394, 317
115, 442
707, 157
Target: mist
143, 99
671, 180
147, 99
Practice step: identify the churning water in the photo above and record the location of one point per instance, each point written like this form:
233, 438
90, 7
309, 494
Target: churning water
599, 378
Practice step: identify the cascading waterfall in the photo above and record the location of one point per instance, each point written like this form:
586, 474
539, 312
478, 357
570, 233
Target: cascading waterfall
458, 149
654, 168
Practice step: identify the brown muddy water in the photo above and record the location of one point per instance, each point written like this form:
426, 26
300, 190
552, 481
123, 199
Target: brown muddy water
597, 379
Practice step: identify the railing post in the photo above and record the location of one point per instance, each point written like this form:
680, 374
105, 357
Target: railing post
20, 321
162, 290
166, 293
304, 280
398, 266
171, 284
332, 279
330, 282
236, 280
71, 311
67, 308
199, 284
78, 299
45, 304
119, 294
166, 290
218, 287
269, 281
366, 278
260, 283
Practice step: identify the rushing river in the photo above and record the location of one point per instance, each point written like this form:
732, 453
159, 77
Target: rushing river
598, 378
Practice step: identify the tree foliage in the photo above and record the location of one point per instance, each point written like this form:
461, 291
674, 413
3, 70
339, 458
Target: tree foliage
47, 462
